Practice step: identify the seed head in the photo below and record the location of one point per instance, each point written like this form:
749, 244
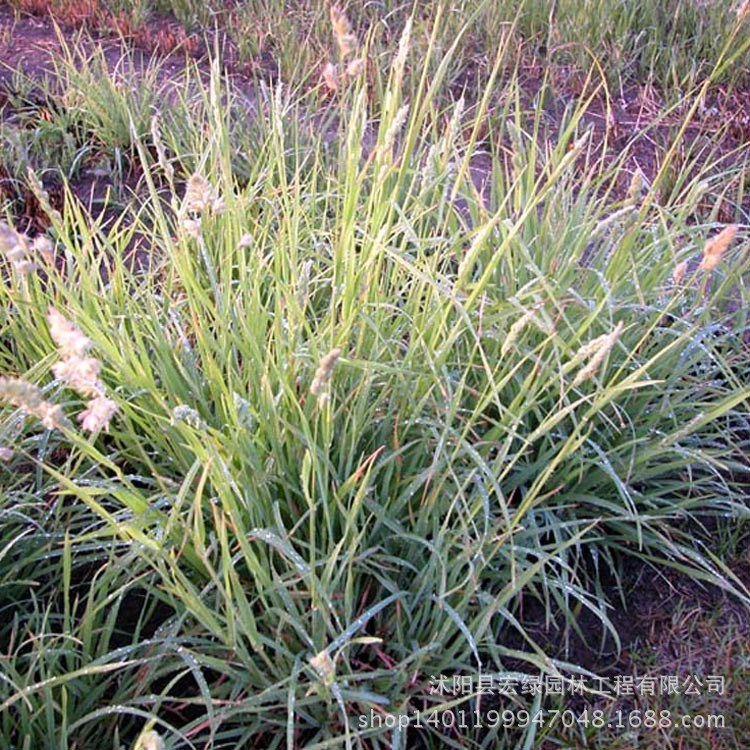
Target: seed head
150, 740
42, 246
515, 331
27, 397
597, 350
161, 152
679, 272
395, 127
51, 416
201, 197
330, 76
68, 337
98, 414
192, 227
399, 62
81, 374
21, 393
355, 68
716, 247
15, 247
323, 666
324, 373
342, 30
12, 244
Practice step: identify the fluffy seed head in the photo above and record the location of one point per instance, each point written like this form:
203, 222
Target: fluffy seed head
679, 272
355, 68
98, 414
27, 397
324, 373
192, 227
12, 244
330, 76
42, 246
66, 335
342, 30
51, 416
81, 374
201, 197
597, 350
716, 247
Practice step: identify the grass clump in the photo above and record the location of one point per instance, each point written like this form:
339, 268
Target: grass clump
365, 410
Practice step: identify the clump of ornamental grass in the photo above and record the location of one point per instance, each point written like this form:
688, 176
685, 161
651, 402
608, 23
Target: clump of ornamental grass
325, 569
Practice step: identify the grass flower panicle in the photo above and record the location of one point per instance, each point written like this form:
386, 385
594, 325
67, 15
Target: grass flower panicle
12, 243
355, 68
323, 375
41, 245
98, 414
201, 197
395, 127
20, 393
324, 666
399, 61
149, 740
635, 188
716, 247
161, 152
679, 272
192, 227
342, 30
21, 253
67, 336
81, 374
330, 76
515, 332
597, 351
27, 397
